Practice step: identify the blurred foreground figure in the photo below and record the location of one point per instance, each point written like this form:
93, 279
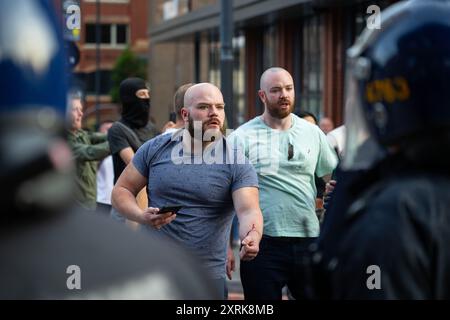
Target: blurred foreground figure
49, 250
390, 241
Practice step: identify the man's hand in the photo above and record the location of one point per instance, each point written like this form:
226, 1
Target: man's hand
231, 262
152, 218
329, 187
249, 246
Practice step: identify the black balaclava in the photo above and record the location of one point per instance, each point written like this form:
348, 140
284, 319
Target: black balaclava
135, 111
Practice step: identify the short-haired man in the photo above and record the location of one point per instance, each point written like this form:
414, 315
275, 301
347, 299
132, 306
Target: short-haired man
207, 192
88, 148
178, 104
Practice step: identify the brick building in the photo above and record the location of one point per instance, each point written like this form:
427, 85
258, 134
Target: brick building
122, 23
307, 37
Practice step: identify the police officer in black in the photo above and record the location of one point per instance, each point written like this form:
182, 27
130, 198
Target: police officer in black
50, 249
390, 238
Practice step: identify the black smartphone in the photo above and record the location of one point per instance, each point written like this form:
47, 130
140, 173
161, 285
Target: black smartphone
173, 209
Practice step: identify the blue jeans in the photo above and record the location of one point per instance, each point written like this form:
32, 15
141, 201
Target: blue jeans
280, 262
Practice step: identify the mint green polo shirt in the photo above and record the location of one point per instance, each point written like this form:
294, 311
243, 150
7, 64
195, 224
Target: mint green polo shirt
285, 162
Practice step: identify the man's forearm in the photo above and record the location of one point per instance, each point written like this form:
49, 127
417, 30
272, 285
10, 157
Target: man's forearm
250, 220
125, 202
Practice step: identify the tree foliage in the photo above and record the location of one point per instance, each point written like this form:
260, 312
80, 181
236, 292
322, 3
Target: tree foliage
127, 65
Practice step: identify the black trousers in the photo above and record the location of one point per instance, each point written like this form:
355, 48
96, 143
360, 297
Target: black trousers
280, 262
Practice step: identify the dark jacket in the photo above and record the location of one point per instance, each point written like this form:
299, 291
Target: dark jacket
396, 218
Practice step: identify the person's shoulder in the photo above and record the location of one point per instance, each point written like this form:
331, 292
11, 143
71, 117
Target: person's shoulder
301, 123
158, 140
116, 128
307, 128
104, 263
151, 129
250, 125
80, 135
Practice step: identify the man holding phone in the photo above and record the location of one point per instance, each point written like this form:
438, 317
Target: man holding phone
207, 192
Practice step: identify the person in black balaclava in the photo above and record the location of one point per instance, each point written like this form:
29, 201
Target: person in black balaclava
133, 129
135, 98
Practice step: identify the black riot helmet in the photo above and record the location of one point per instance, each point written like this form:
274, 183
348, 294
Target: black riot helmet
35, 161
398, 88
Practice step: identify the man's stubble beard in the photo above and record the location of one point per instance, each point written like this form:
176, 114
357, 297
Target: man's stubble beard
276, 112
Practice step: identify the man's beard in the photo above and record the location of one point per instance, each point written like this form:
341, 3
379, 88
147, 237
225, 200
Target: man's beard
275, 110
215, 132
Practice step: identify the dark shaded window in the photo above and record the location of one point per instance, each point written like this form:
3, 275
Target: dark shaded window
121, 34
270, 47
105, 33
105, 82
311, 66
90, 33
109, 33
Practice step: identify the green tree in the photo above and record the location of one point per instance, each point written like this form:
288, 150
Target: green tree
127, 65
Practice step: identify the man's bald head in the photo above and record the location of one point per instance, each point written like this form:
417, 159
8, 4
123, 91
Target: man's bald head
200, 91
277, 92
203, 103
268, 74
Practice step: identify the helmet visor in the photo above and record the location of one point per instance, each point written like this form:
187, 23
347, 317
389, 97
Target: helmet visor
361, 148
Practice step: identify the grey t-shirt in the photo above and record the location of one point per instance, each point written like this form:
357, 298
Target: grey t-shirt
203, 190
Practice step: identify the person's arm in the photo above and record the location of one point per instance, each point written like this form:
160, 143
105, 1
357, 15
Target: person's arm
246, 204
97, 137
126, 155
119, 143
231, 262
327, 160
123, 198
88, 152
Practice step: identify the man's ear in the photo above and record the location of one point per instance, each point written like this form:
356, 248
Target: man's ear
262, 96
184, 114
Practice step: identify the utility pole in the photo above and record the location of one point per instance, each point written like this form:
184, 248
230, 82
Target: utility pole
226, 58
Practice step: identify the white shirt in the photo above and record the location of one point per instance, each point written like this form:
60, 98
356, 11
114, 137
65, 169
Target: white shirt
105, 180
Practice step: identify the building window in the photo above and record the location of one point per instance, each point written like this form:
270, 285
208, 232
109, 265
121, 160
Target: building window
270, 47
312, 57
88, 79
238, 43
239, 78
214, 59
110, 34
121, 36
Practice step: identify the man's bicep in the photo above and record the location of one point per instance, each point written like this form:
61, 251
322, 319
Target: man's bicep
131, 179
